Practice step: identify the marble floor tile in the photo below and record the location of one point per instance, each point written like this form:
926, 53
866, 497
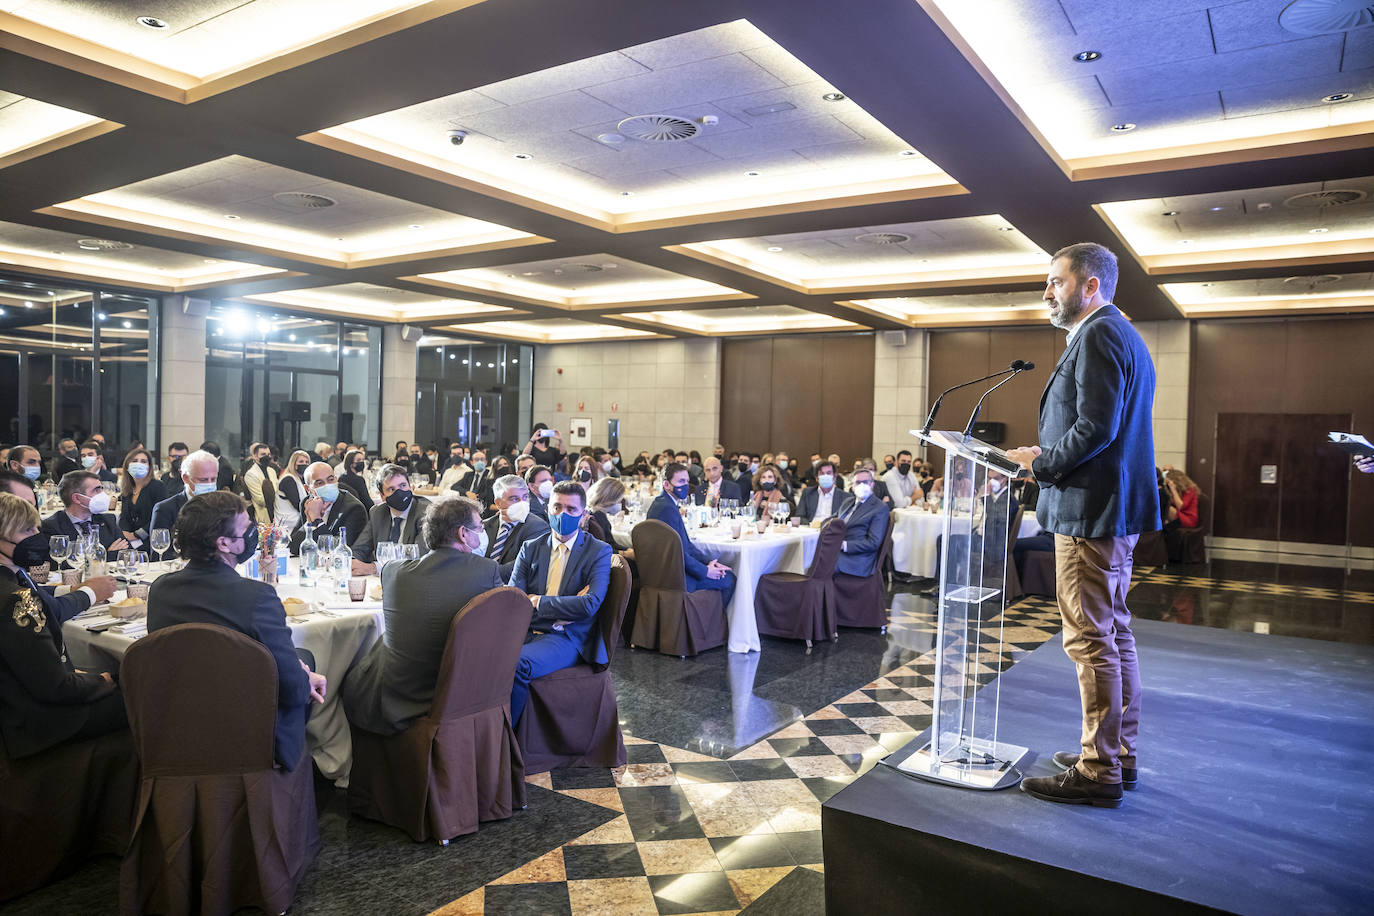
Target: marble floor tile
611, 897
644, 774
750, 884
678, 857
659, 813
528, 900
606, 860
800, 893
827, 765
693, 893
767, 850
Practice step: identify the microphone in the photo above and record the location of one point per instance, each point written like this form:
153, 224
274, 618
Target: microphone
1016, 369
1016, 366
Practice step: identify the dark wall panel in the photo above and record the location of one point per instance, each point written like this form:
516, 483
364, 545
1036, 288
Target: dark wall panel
746, 382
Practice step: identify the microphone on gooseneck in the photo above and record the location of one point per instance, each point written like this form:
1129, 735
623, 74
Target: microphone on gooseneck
1016, 366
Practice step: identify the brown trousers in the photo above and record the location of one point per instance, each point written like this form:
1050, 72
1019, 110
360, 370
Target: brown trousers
1093, 576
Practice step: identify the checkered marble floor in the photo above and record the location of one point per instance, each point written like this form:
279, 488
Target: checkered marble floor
702, 835
1158, 576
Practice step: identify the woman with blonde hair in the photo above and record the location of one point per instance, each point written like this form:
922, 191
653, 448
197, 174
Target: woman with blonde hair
1181, 512
286, 511
604, 501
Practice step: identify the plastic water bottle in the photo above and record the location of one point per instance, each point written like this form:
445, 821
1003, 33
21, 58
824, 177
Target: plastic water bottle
342, 562
310, 558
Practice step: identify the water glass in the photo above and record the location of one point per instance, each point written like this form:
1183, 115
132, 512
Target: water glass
59, 548
386, 552
160, 539
357, 588
410, 551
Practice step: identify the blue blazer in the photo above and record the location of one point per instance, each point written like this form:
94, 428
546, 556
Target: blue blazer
863, 535
1096, 468
694, 559
589, 564
811, 498
165, 516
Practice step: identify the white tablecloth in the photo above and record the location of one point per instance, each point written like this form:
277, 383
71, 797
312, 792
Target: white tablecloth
914, 534
780, 549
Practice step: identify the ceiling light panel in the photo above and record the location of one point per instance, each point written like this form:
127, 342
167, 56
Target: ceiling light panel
1252, 225
28, 126
63, 254
1301, 293
758, 319
552, 330
959, 310
587, 281
877, 257
273, 209
1192, 79
748, 105
372, 301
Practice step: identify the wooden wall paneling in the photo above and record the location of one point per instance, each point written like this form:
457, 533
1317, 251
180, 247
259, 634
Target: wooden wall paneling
797, 387
1242, 507
746, 381
1017, 403
955, 356
1314, 480
846, 398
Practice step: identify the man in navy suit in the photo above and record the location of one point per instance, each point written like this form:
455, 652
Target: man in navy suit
1096, 472
716, 486
513, 525
86, 510
566, 576
825, 498
702, 571
865, 520
199, 476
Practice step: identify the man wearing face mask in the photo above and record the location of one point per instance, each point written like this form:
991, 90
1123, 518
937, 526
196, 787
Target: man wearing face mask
716, 486
743, 473
607, 462
702, 572
540, 481
93, 460
214, 533
85, 509
566, 576
397, 519
865, 524
25, 461
68, 459
456, 469
176, 454
513, 524
475, 479
824, 499
902, 481
260, 479
789, 481
889, 462
199, 477
328, 509
66, 602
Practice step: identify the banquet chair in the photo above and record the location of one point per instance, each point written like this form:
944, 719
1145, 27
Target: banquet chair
63, 805
459, 764
669, 618
572, 718
861, 601
802, 605
1012, 582
217, 827
1150, 550
1037, 573
1195, 539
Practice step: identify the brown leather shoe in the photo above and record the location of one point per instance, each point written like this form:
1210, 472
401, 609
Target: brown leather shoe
1073, 788
1067, 760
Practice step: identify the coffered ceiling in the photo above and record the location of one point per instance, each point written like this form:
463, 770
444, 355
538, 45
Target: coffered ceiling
714, 168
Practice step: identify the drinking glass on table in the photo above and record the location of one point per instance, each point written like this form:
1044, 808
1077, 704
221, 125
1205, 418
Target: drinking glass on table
59, 548
160, 539
386, 552
78, 552
138, 564
410, 551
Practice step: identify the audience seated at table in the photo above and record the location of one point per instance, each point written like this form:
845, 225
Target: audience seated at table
566, 576
702, 572
350, 472
824, 499
68, 458
199, 477
394, 683
140, 491
467, 477
715, 486
214, 534
398, 519
767, 491
67, 601
902, 481
25, 461
512, 524
327, 509
540, 481
85, 510
92, 459
865, 523
604, 501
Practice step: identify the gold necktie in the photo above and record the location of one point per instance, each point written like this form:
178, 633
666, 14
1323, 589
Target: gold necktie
560, 559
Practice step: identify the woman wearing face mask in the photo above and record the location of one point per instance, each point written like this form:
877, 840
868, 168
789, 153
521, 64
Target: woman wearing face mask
354, 464
767, 492
286, 510
139, 491
586, 471
604, 501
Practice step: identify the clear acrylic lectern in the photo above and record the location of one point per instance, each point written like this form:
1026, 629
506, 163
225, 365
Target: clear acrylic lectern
978, 513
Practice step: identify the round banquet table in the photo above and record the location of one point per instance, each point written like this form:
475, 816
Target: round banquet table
914, 535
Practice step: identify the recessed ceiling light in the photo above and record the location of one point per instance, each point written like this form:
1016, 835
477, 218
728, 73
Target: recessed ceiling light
211, 261
907, 152
751, 174
1206, 286
28, 305
347, 351
128, 324
1169, 213
310, 343
1216, 209
291, 337
1338, 97
415, 226
232, 216
1318, 231
775, 248
1084, 57
611, 139
1185, 241
453, 356
151, 22
523, 156
627, 193
103, 316
1006, 228
833, 97
1123, 127
465, 362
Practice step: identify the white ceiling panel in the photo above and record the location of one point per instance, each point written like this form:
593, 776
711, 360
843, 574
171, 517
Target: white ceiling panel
380, 301
1287, 95
755, 319
1316, 286
1090, 15
25, 122
592, 71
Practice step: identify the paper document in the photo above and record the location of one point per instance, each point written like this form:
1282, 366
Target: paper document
1354, 444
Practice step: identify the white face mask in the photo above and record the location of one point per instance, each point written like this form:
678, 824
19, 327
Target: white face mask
481, 550
518, 512
99, 503
995, 485
863, 491
546, 489
607, 466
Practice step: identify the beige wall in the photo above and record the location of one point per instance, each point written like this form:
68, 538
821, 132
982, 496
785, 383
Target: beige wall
1169, 343
398, 389
899, 393
183, 375
666, 392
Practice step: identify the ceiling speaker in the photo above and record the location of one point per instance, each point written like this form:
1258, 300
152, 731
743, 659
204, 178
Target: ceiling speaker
411, 333
196, 308
894, 338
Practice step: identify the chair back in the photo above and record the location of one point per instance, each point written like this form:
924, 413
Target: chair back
202, 700
827, 549
1204, 512
658, 553
885, 551
612, 611
483, 647
1013, 533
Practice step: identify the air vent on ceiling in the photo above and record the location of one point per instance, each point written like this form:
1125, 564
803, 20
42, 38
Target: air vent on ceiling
582, 268
303, 200
1336, 197
1318, 17
658, 128
1313, 282
103, 245
882, 238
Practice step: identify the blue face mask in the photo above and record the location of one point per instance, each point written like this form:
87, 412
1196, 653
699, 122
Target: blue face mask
329, 492
32, 471
87, 461
479, 465
564, 524
825, 480
138, 470
682, 491
200, 489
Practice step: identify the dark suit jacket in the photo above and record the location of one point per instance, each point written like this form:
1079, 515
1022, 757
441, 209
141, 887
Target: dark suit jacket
215, 593
378, 529
1096, 470
538, 507
532, 527
137, 515
588, 566
43, 699
358, 487
394, 683
863, 535
346, 512
61, 465
728, 490
165, 516
694, 559
810, 499
61, 523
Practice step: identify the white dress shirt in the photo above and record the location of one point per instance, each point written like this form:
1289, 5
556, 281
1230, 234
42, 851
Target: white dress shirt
900, 487
825, 503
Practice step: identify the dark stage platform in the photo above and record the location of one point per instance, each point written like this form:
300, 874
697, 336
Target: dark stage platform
1256, 795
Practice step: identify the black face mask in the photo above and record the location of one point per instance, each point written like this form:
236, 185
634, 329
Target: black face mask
743, 467
584, 475
358, 467
768, 486
250, 545
300, 469
32, 551
400, 500
903, 468
888, 465
176, 469
73, 454
264, 461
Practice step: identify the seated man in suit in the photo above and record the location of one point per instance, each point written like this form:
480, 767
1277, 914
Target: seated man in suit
93, 459
215, 534
68, 459
394, 683
475, 478
702, 572
328, 509
25, 461
199, 476
716, 486
824, 499
86, 509
514, 524
879, 486
566, 576
539, 479
865, 523
398, 519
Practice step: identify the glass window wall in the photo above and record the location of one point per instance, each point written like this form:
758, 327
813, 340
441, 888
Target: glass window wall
472, 393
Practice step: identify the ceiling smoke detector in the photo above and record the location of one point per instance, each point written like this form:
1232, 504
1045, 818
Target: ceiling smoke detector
1319, 17
882, 238
659, 128
1335, 197
304, 200
102, 245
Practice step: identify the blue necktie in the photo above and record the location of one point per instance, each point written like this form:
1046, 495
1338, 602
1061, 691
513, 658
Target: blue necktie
501, 539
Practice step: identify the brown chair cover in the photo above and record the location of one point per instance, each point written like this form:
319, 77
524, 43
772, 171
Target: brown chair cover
797, 606
459, 764
56, 808
217, 827
669, 618
862, 601
1195, 539
1012, 583
572, 718
1037, 573
1150, 550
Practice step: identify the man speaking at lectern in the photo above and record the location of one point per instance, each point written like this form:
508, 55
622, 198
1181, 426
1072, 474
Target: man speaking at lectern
1095, 467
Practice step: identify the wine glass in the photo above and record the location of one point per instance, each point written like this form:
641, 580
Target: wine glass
160, 539
79, 552
410, 551
137, 561
59, 548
